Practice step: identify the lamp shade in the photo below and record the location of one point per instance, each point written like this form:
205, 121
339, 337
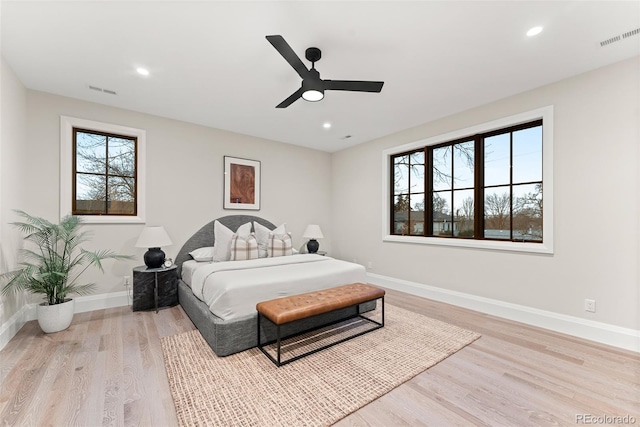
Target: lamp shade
153, 237
313, 232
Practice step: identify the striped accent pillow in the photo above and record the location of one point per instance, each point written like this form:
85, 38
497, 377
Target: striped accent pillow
279, 245
243, 248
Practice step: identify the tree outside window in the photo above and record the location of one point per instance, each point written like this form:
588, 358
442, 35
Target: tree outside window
104, 168
513, 183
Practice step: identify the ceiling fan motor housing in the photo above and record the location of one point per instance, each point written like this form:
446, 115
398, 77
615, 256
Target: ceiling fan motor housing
313, 54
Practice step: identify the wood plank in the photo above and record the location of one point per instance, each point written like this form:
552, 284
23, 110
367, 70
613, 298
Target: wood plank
108, 369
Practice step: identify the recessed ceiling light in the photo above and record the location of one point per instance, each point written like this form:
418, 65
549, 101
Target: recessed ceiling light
534, 31
326, 125
142, 71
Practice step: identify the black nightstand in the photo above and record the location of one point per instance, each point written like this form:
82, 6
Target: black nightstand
154, 287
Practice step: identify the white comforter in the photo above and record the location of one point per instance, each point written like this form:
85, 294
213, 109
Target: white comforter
232, 289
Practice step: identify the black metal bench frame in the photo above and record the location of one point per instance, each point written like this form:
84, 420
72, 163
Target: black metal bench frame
279, 338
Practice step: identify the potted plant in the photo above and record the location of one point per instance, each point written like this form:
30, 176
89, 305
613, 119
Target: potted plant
53, 267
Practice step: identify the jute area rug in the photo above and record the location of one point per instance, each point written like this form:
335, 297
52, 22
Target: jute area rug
246, 389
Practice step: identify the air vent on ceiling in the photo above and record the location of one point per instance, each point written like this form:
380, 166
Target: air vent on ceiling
620, 37
99, 89
609, 41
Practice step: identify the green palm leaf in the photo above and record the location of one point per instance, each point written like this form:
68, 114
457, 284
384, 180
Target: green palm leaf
55, 264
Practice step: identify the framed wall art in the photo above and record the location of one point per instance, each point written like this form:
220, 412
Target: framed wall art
241, 183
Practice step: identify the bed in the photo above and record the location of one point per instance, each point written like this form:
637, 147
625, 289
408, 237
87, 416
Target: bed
227, 292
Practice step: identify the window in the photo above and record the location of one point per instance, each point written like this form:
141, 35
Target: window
104, 168
476, 188
408, 215
512, 189
102, 171
452, 195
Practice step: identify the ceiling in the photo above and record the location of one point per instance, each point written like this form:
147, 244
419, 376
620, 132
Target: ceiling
210, 63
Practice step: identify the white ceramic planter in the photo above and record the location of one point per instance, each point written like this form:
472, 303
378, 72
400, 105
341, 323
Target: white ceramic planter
57, 317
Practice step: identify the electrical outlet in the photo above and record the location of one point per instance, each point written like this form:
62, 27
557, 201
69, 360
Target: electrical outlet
127, 280
369, 265
590, 305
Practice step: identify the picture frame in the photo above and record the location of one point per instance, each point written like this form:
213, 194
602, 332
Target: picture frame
241, 183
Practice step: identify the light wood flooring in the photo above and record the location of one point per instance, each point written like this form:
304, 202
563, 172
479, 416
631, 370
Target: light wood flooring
107, 369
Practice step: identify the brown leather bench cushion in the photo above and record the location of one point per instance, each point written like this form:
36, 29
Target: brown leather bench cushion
296, 307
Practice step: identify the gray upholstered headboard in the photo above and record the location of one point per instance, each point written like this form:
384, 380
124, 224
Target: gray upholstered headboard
204, 237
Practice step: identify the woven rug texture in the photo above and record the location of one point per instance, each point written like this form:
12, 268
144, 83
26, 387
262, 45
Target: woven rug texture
247, 389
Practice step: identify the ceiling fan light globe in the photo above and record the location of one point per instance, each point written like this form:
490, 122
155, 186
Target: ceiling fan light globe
312, 95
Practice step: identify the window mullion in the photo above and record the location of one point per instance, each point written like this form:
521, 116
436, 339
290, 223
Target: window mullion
478, 211
453, 202
425, 204
106, 176
511, 186
409, 169
428, 202
425, 191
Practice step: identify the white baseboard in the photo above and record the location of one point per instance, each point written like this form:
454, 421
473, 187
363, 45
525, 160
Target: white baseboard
100, 302
11, 327
87, 303
626, 338
604, 333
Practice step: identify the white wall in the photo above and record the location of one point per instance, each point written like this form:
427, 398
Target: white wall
596, 206
597, 181
13, 151
184, 178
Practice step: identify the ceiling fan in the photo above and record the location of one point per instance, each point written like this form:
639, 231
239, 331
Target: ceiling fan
313, 86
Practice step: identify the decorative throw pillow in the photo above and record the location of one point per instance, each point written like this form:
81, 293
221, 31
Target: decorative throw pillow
243, 248
279, 245
202, 254
262, 234
222, 235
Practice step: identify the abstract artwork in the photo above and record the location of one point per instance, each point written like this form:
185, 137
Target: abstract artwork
241, 183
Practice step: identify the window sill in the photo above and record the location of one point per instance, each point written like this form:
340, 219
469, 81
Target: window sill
534, 248
107, 219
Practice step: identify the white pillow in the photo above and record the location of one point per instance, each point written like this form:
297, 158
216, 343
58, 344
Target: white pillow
262, 234
202, 254
244, 230
222, 245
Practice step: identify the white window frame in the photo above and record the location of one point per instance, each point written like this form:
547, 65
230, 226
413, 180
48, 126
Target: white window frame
66, 169
546, 247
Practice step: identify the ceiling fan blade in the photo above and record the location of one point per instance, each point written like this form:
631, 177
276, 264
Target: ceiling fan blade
290, 100
353, 85
288, 54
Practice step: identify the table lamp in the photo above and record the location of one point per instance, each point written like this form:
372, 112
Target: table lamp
153, 237
312, 233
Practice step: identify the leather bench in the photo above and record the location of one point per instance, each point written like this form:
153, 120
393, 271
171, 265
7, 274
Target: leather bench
288, 309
